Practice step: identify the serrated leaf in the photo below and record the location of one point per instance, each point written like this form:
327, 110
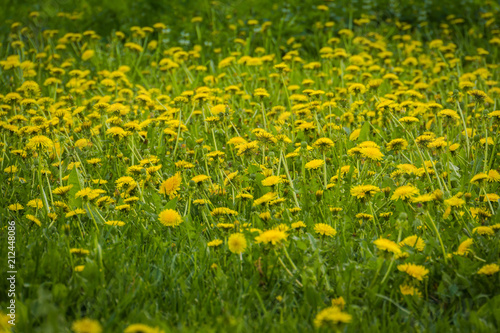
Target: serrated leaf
156, 200
74, 179
172, 203
364, 135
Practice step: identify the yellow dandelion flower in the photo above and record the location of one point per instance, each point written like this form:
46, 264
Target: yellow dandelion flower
272, 236
405, 192
418, 272
371, 153
170, 218
272, 181
214, 243
171, 185
489, 269
464, 247
85, 325
364, 191
237, 243
331, 317
314, 164
387, 245
324, 229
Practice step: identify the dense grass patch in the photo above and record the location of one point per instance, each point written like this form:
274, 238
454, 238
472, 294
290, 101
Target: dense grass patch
301, 166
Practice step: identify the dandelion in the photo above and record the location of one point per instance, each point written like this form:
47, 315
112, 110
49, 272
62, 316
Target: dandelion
484, 231
266, 198
221, 211
489, 269
141, 328
405, 192
115, 223
364, 191
214, 243
62, 190
371, 153
34, 219
237, 243
413, 241
415, 271
272, 181
464, 247
117, 133
81, 252
39, 142
408, 290
272, 236
200, 178
387, 246
85, 325
171, 185
298, 225
479, 178
331, 317
170, 218
323, 143
324, 229
314, 164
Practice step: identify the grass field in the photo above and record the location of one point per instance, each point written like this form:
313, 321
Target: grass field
305, 166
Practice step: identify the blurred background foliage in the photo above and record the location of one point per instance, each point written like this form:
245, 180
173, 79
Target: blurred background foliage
105, 16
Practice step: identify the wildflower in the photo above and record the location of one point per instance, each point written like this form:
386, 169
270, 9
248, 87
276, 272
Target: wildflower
170, 218
416, 271
364, 191
117, 132
405, 192
489, 269
141, 328
409, 290
200, 178
324, 229
15, 207
171, 185
387, 245
34, 219
478, 95
272, 181
223, 211
298, 225
272, 236
464, 247
449, 114
371, 153
484, 231
265, 198
323, 143
81, 252
314, 164
479, 178
86, 325
237, 243
423, 198
11, 169
455, 202
39, 142
87, 55
80, 268
331, 317
214, 243
493, 176
413, 241
62, 190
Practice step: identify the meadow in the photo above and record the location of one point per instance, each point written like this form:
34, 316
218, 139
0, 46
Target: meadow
308, 166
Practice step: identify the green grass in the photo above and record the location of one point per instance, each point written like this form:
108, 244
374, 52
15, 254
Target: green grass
146, 272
